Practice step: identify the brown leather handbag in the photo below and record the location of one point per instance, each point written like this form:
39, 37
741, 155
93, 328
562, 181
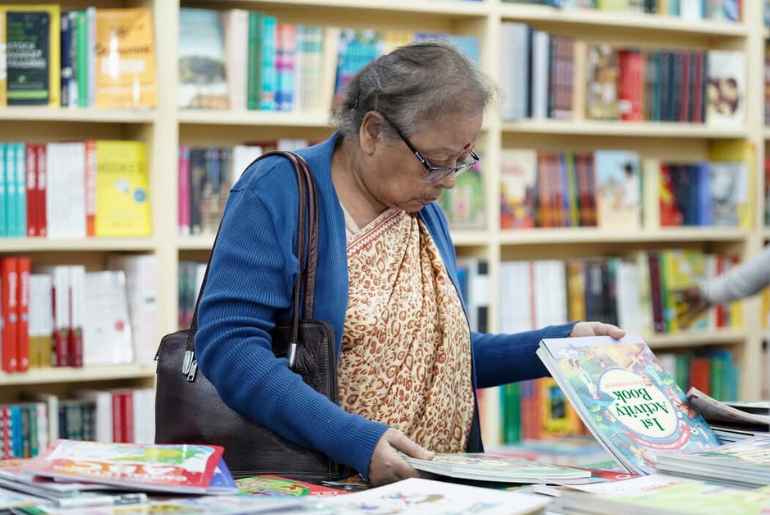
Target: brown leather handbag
188, 408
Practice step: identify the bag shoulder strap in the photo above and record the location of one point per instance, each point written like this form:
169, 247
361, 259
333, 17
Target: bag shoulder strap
306, 248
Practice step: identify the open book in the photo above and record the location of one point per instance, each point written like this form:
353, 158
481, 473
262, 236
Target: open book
625, 397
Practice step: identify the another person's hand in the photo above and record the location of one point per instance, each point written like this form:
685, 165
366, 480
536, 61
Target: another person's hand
691, 304
597, 329
386, 465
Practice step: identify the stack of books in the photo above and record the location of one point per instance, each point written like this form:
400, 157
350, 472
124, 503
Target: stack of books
744, 464
731, 421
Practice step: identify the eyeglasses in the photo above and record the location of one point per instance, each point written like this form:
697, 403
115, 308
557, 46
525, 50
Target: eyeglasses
436, 174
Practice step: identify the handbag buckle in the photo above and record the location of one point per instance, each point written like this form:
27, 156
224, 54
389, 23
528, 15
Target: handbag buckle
189, 365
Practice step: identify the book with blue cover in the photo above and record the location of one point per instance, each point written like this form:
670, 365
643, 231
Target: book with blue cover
626, 398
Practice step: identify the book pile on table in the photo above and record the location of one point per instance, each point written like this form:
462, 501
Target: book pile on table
743, 464
732, 421
661, 495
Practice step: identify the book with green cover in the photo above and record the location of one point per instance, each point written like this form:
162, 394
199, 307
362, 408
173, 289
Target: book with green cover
626, 398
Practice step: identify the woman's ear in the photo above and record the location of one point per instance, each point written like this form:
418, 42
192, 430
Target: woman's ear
370, 133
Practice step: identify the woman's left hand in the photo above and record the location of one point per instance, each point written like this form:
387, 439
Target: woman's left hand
597, 329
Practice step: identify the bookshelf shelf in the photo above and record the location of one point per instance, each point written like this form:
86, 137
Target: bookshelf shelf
443, 8
586, 235
76, 115
621, 129
262, 118
195, 242
767, 132
70, 375
549, 17
695, 339
79, 245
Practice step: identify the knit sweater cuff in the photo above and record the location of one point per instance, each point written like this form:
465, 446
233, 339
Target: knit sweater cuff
357, 447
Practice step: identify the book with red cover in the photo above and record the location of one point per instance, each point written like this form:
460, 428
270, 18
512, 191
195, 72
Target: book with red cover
9, 279
31, 186
42, 189
161, 468
23, 269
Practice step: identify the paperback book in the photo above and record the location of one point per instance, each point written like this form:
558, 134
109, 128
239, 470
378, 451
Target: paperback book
162, 468
662, 495
503, 469
630, 403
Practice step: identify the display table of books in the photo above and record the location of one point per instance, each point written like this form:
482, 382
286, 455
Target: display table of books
664, 458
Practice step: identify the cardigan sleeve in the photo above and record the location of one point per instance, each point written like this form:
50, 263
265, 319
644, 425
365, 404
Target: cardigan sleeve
249, 283
507, 358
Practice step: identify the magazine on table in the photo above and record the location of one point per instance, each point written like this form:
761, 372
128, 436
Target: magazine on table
193, 469
502, 469
426, 497
715, 411
625, 397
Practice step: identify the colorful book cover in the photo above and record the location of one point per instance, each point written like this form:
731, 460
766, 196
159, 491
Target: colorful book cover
436, 498
726, 88
122, 194
125, 58
32, 54
202, 70
518, 180
626, 398
277, 486
619, 189
464, 203
164, 468
602, 87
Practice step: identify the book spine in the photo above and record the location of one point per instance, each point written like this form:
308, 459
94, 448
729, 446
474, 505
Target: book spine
66, 63
9, 163
42, 189
31, 188
20, 162
9, 278
90, 187
24, 267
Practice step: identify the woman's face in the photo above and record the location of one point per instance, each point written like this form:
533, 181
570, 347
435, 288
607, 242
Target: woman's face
395, 177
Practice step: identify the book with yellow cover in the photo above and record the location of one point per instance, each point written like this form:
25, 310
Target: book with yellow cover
125, 58
122, 194
32, 59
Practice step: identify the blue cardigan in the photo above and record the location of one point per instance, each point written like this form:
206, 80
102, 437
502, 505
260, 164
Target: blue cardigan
252, 271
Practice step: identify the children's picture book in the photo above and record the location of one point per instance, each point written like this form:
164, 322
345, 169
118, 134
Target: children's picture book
663, 495
503, 469
427, 497
162, 468
270, 485
619, 189
626, 398
518, 180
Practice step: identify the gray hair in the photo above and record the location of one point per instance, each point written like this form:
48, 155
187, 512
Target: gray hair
411, 85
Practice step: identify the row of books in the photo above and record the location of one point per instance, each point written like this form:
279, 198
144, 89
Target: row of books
628, 84
64, 316
120, 416
206, 175
673, 86
638, 293
692, 10
79, 58
190, 279
74, 190
617, 189
239, 59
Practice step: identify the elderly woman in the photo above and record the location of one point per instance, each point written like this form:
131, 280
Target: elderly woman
387, 280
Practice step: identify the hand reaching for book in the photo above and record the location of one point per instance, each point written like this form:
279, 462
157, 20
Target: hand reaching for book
597, 329
387, 466
690, 304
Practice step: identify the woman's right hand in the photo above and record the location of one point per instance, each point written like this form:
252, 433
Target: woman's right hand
386, 465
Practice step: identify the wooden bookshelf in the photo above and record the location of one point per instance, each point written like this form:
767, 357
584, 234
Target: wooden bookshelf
72, 114
164, 128
658, 26
77, 375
